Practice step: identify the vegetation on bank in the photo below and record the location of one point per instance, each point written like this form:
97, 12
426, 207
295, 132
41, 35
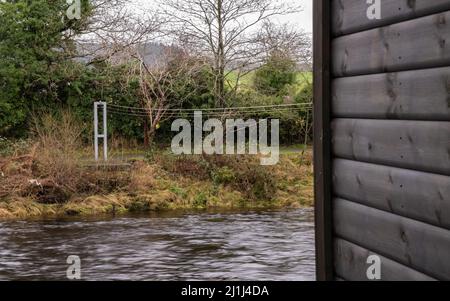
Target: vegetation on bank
32, 186
50, 175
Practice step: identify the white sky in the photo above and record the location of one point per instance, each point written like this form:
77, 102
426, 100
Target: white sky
302, 19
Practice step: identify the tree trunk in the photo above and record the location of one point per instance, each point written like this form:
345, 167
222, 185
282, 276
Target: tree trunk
146, 134
220, 64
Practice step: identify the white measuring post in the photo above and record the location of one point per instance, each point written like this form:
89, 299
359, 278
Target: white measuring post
103, 136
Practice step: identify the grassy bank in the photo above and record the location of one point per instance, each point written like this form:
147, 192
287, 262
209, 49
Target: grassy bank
30, 188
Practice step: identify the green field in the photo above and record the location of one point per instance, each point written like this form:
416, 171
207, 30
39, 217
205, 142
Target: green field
246, 81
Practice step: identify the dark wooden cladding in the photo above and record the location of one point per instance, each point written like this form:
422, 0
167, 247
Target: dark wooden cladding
322, 141
422, 247
349, 16
390, 138
417, 145
413, 95
414, 44
351, 261
417, 195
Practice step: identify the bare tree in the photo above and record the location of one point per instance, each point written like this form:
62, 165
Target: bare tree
287, 40
224, 30
110, 28
165, 86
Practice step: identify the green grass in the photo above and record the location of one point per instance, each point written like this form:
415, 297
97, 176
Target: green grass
293, 149
304, 77
245, 81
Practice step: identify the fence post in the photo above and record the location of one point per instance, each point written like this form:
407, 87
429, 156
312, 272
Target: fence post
97, 136
105, 134
96, 130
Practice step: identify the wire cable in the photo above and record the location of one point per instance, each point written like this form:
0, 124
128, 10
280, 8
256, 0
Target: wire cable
218, 114
214, 109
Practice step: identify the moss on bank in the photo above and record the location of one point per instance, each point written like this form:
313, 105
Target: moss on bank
162, 183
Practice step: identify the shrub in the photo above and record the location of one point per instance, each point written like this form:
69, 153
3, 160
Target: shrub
141, 177
9, 147
5, 146
305, 95
186, 166
272, 77
305, 125
50, 169
223, 175
245, 174
256, 182
58, 154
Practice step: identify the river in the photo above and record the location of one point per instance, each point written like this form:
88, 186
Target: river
234, 245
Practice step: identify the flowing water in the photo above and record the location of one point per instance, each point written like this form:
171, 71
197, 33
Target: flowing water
252, 245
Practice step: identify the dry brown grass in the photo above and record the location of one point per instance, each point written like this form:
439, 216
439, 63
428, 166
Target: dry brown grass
24, 208
50, 180
295, 179
142, 177
57, 160
16, 173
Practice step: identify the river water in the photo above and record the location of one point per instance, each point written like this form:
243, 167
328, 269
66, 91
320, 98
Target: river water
251, 245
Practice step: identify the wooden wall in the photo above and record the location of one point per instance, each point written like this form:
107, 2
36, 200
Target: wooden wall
389, 155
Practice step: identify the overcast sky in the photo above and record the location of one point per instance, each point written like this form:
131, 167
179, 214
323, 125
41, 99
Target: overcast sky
302, 19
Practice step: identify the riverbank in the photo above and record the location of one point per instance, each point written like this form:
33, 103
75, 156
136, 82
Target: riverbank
158, 182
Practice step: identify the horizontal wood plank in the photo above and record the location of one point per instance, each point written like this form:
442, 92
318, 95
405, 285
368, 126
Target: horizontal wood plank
418, 145
414, 95
417, 195
422, 247
350, 16
351, 263
415, 44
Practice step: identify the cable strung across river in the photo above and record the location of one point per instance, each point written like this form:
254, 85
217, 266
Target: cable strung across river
210, 112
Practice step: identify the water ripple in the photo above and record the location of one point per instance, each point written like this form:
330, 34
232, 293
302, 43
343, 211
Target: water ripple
271, 245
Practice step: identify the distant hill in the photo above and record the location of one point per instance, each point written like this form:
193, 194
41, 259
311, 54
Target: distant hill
153, 53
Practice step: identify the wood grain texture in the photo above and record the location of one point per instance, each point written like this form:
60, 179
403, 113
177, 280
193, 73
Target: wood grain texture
415, 44
417, 145
350, 16
390, 128
417, 195
414, 95
422, 247
351, 264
